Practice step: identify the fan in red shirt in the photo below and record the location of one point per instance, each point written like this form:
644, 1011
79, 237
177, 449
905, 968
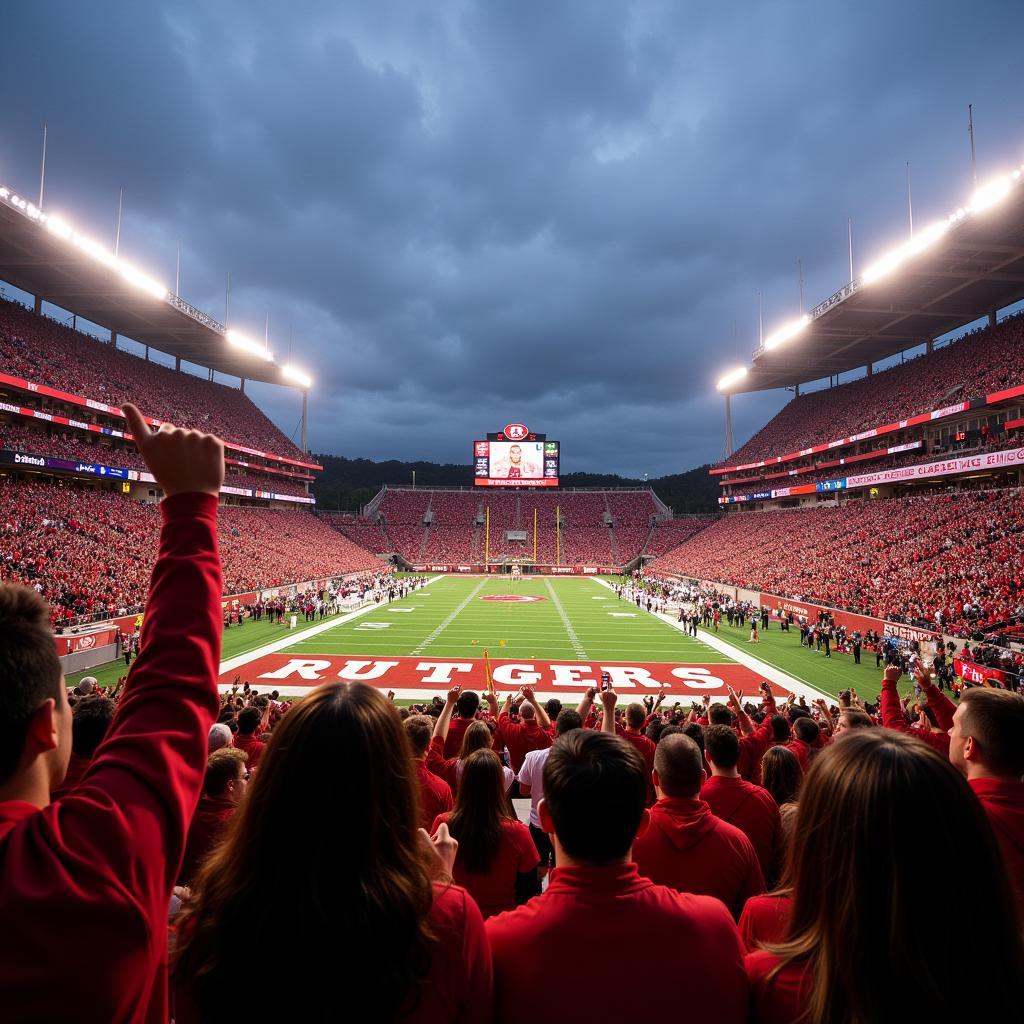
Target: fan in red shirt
599, 910
250, 721
887, 815
90, 720
223, 789
394, 939
476, 737
435, 793
636, 715
986, 743
686, 846
531, 732
750, 808
96, 867
467, 705
497, 860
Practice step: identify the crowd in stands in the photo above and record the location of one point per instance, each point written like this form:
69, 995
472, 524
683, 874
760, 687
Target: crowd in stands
42, 351
789, 861
88, 551
672, 532
978, 364
454, 534
950, 562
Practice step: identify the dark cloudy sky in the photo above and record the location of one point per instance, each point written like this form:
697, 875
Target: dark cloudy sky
475, 212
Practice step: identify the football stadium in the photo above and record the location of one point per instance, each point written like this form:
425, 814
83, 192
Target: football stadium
536, 717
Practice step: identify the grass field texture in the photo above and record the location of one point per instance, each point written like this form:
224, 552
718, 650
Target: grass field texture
574, 620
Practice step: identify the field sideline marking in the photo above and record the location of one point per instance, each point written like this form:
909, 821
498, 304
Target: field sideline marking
570, 632
770, 672
449, 620
304, 634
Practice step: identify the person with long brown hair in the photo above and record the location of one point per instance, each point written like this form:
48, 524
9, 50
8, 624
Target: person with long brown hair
497, 859
325, 856
883, 818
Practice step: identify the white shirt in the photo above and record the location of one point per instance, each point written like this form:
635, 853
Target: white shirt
532, 774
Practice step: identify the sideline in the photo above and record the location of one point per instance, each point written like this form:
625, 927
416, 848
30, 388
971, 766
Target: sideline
741, 657
289, 638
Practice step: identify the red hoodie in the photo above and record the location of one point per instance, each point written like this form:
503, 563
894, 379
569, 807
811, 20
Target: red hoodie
95, 869
689, 849
1003, 800
752, 809
765, 919
612, 921
521, 738
892, 718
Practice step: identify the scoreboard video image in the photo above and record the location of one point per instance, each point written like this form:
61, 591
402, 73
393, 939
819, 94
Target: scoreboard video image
516, 457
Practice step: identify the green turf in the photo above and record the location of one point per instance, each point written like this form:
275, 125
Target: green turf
577, 621
830, 675
234, 641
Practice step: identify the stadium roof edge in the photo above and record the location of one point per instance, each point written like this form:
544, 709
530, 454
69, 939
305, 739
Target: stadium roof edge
37, 257
952, 273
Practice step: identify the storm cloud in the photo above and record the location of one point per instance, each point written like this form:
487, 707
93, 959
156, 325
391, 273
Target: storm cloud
467, 213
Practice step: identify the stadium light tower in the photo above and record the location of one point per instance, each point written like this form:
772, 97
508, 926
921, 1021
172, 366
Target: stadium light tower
726, 382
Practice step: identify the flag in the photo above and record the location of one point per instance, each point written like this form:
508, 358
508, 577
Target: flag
487, 669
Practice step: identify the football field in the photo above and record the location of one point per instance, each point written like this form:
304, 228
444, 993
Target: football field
559, 635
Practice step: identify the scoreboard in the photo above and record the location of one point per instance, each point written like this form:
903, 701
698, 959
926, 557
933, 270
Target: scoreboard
516, 457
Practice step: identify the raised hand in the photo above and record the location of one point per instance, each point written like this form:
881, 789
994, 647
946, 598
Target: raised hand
181, 460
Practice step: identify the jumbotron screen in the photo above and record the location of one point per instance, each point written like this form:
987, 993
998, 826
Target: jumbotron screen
515, 457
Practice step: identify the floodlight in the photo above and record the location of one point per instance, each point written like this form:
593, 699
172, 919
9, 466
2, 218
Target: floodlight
296, 376
731, 378
891, 260
991, 193
254, 348
785, 333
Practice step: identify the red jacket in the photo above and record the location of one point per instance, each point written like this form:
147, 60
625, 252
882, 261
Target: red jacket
752, 750
208, 825
646, 747
252, 746
76, 769
689, 849
892, 718
521, 738
95, 869
435, 795
1003, 800
601, 930
780, 998
752, 809
456, 730
765, 919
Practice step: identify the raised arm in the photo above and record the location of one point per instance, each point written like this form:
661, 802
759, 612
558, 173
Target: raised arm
444, 719
542, 716
742, 718
132, 809
584, 706
942, 707
608, 699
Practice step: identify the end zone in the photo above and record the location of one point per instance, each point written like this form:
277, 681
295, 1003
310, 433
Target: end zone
417, 678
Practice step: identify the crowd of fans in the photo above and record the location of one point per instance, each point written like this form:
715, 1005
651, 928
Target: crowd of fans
789, 857
454, 532
88, 551
978, 364
950, 562
43, 351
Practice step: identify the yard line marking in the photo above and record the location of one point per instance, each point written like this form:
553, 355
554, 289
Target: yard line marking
402, 609
570, 632
289, 639
450, 619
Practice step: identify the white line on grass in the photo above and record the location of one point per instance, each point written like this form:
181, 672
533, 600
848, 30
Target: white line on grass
769, 672
449, 620
570, 632
289, 638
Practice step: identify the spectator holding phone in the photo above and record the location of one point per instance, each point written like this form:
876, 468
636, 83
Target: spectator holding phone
96, 867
